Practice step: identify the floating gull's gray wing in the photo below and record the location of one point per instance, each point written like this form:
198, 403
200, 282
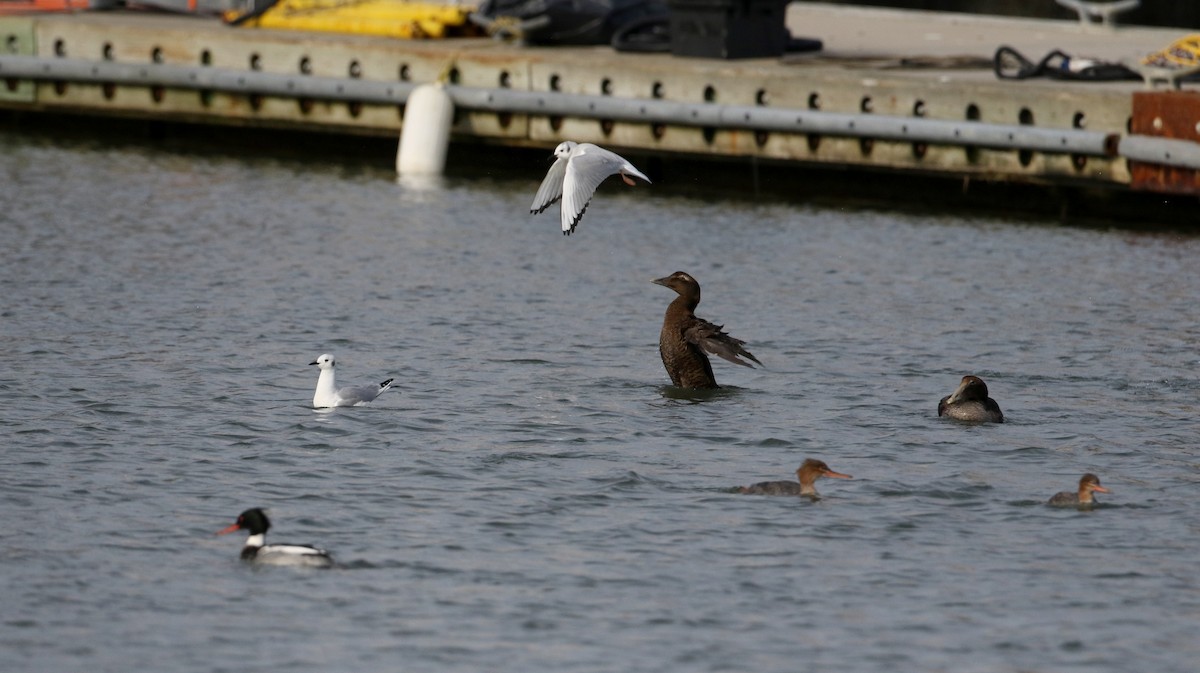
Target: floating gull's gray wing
352, 395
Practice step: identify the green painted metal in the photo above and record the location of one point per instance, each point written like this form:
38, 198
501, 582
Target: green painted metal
17, 39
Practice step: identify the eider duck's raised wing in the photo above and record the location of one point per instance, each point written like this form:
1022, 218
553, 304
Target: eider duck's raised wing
712, 340
588, 166
551, 189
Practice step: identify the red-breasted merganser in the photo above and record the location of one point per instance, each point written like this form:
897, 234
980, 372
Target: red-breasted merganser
1087, 484
685, 339
970, 402
808, 473
329, 395
256, 523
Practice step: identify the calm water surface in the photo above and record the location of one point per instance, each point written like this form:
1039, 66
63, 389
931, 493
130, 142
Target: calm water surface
533, 496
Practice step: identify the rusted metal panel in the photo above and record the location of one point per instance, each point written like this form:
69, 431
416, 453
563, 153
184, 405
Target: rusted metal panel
1166, 114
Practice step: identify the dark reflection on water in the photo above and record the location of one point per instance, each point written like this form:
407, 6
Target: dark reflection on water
533, 495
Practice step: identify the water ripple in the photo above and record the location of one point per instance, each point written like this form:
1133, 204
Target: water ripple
535, 496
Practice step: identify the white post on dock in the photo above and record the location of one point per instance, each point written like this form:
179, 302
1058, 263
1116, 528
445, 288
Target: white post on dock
425, 135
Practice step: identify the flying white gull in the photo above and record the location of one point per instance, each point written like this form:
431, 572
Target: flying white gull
329, 395
574, 177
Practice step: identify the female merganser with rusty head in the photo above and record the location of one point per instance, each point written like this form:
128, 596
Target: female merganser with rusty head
256, 523
808, 474
1087, 484
970, 402
329, 395
685, 339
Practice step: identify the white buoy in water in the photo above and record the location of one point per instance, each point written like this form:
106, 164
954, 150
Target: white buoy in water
425, 135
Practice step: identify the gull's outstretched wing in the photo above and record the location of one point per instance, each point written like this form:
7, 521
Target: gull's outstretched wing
551, 189
588, 167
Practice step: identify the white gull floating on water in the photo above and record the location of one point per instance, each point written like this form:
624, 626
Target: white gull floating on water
574, 177
329, 395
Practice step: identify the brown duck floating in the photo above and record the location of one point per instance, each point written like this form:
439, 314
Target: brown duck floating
1087, 484
685, 339
808, 473
970, 402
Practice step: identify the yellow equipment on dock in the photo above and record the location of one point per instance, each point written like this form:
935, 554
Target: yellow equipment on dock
388, 18
1182, 53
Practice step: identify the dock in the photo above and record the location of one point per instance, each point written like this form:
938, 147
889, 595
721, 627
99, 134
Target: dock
892, 92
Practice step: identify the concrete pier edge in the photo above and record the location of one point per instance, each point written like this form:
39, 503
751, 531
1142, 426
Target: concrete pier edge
860, 75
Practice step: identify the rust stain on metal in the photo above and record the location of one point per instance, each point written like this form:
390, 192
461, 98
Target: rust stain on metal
1166, 114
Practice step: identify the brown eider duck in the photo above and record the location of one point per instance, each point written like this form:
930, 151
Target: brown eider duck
970, 402
685, 339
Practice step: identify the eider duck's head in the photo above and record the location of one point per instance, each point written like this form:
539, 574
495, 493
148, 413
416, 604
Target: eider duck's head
812, 469
324, 361
972, 388
564, 149
682, 283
